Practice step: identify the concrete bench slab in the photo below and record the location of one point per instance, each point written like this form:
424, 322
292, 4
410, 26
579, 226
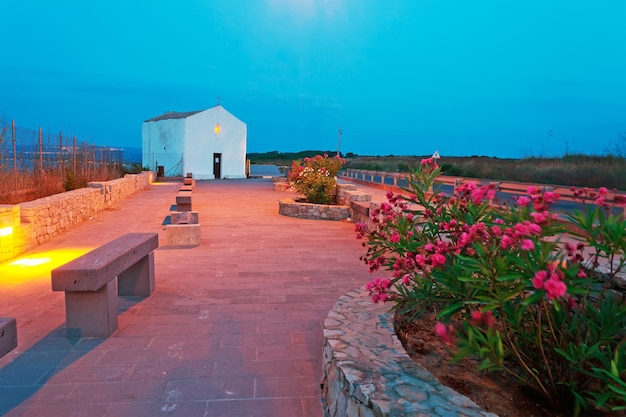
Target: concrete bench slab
90, 286
183, 201
8, 335
189, 181
185, 188
183, 234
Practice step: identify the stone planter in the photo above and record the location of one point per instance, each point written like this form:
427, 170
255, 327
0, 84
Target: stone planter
367, 372
293, 208
280, 184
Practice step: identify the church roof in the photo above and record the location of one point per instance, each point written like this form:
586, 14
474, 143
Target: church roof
174, 115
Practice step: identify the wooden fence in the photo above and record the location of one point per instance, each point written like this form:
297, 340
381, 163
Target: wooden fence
29, 159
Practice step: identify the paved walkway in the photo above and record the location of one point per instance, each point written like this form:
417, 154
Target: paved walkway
233, 329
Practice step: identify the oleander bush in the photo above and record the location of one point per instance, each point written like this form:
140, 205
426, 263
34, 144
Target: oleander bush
506, 288
316, 178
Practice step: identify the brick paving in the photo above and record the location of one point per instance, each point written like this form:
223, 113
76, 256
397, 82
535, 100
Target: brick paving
234, 327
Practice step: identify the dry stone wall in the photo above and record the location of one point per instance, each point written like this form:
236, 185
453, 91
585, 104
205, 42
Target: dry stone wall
42, 219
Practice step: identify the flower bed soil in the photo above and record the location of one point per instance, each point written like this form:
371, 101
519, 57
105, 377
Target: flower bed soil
494, 392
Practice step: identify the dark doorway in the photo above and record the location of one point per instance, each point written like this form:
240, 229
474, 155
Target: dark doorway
217, 165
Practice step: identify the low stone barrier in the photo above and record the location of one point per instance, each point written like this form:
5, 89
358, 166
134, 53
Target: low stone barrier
280, 184
26, 225
293, 208
367, 372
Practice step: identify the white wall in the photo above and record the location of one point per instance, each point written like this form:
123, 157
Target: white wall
201, 142
162, 144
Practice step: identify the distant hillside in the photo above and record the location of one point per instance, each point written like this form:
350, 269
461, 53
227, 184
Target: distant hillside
283, 158
571, 169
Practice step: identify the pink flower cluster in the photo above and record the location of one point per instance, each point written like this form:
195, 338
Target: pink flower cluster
446, 333
540, 199
474, 193
429, 163
433, 255
550, 280
379, 289
600, 197
482, 318
520, 234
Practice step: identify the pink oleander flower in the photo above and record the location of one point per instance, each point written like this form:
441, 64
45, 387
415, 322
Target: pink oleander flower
550, 197
521, 229
438, 259
539, 279
485, 318
446, 333
523, 201
527, 244
534, 228
476, 318
478, 195
540, 217
406, 279
395, 237
506, 242
554, 288
488, 319
533, 190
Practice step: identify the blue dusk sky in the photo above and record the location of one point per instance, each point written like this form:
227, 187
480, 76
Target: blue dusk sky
505, 78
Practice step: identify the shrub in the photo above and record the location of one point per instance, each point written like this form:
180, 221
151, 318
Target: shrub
316, 178
506, 288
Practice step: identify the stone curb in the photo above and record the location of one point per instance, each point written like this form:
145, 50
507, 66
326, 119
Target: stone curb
367, 372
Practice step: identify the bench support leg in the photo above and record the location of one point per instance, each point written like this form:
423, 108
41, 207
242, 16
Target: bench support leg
138, 280
8, 335
91, 314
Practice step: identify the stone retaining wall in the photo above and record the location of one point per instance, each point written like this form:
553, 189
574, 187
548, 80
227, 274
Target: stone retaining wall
293, 208
32, 223
367, 372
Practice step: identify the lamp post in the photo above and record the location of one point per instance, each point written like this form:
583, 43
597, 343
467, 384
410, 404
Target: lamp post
339, 142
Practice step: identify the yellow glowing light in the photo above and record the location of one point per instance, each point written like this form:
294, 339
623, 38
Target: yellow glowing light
6, 231
217, 128
37, 267
30, 262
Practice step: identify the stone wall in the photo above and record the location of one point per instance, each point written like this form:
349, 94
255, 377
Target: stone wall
293, 208
35, 222
367, 372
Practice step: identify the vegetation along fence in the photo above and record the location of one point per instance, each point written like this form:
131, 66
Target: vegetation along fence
34, 163
505, 190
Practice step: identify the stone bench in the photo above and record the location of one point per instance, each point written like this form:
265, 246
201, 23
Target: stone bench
90, 285
189, 181
8, 335
186, 188
184, 229
183, 201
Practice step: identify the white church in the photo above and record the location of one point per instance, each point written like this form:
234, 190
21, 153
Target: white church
210, 144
